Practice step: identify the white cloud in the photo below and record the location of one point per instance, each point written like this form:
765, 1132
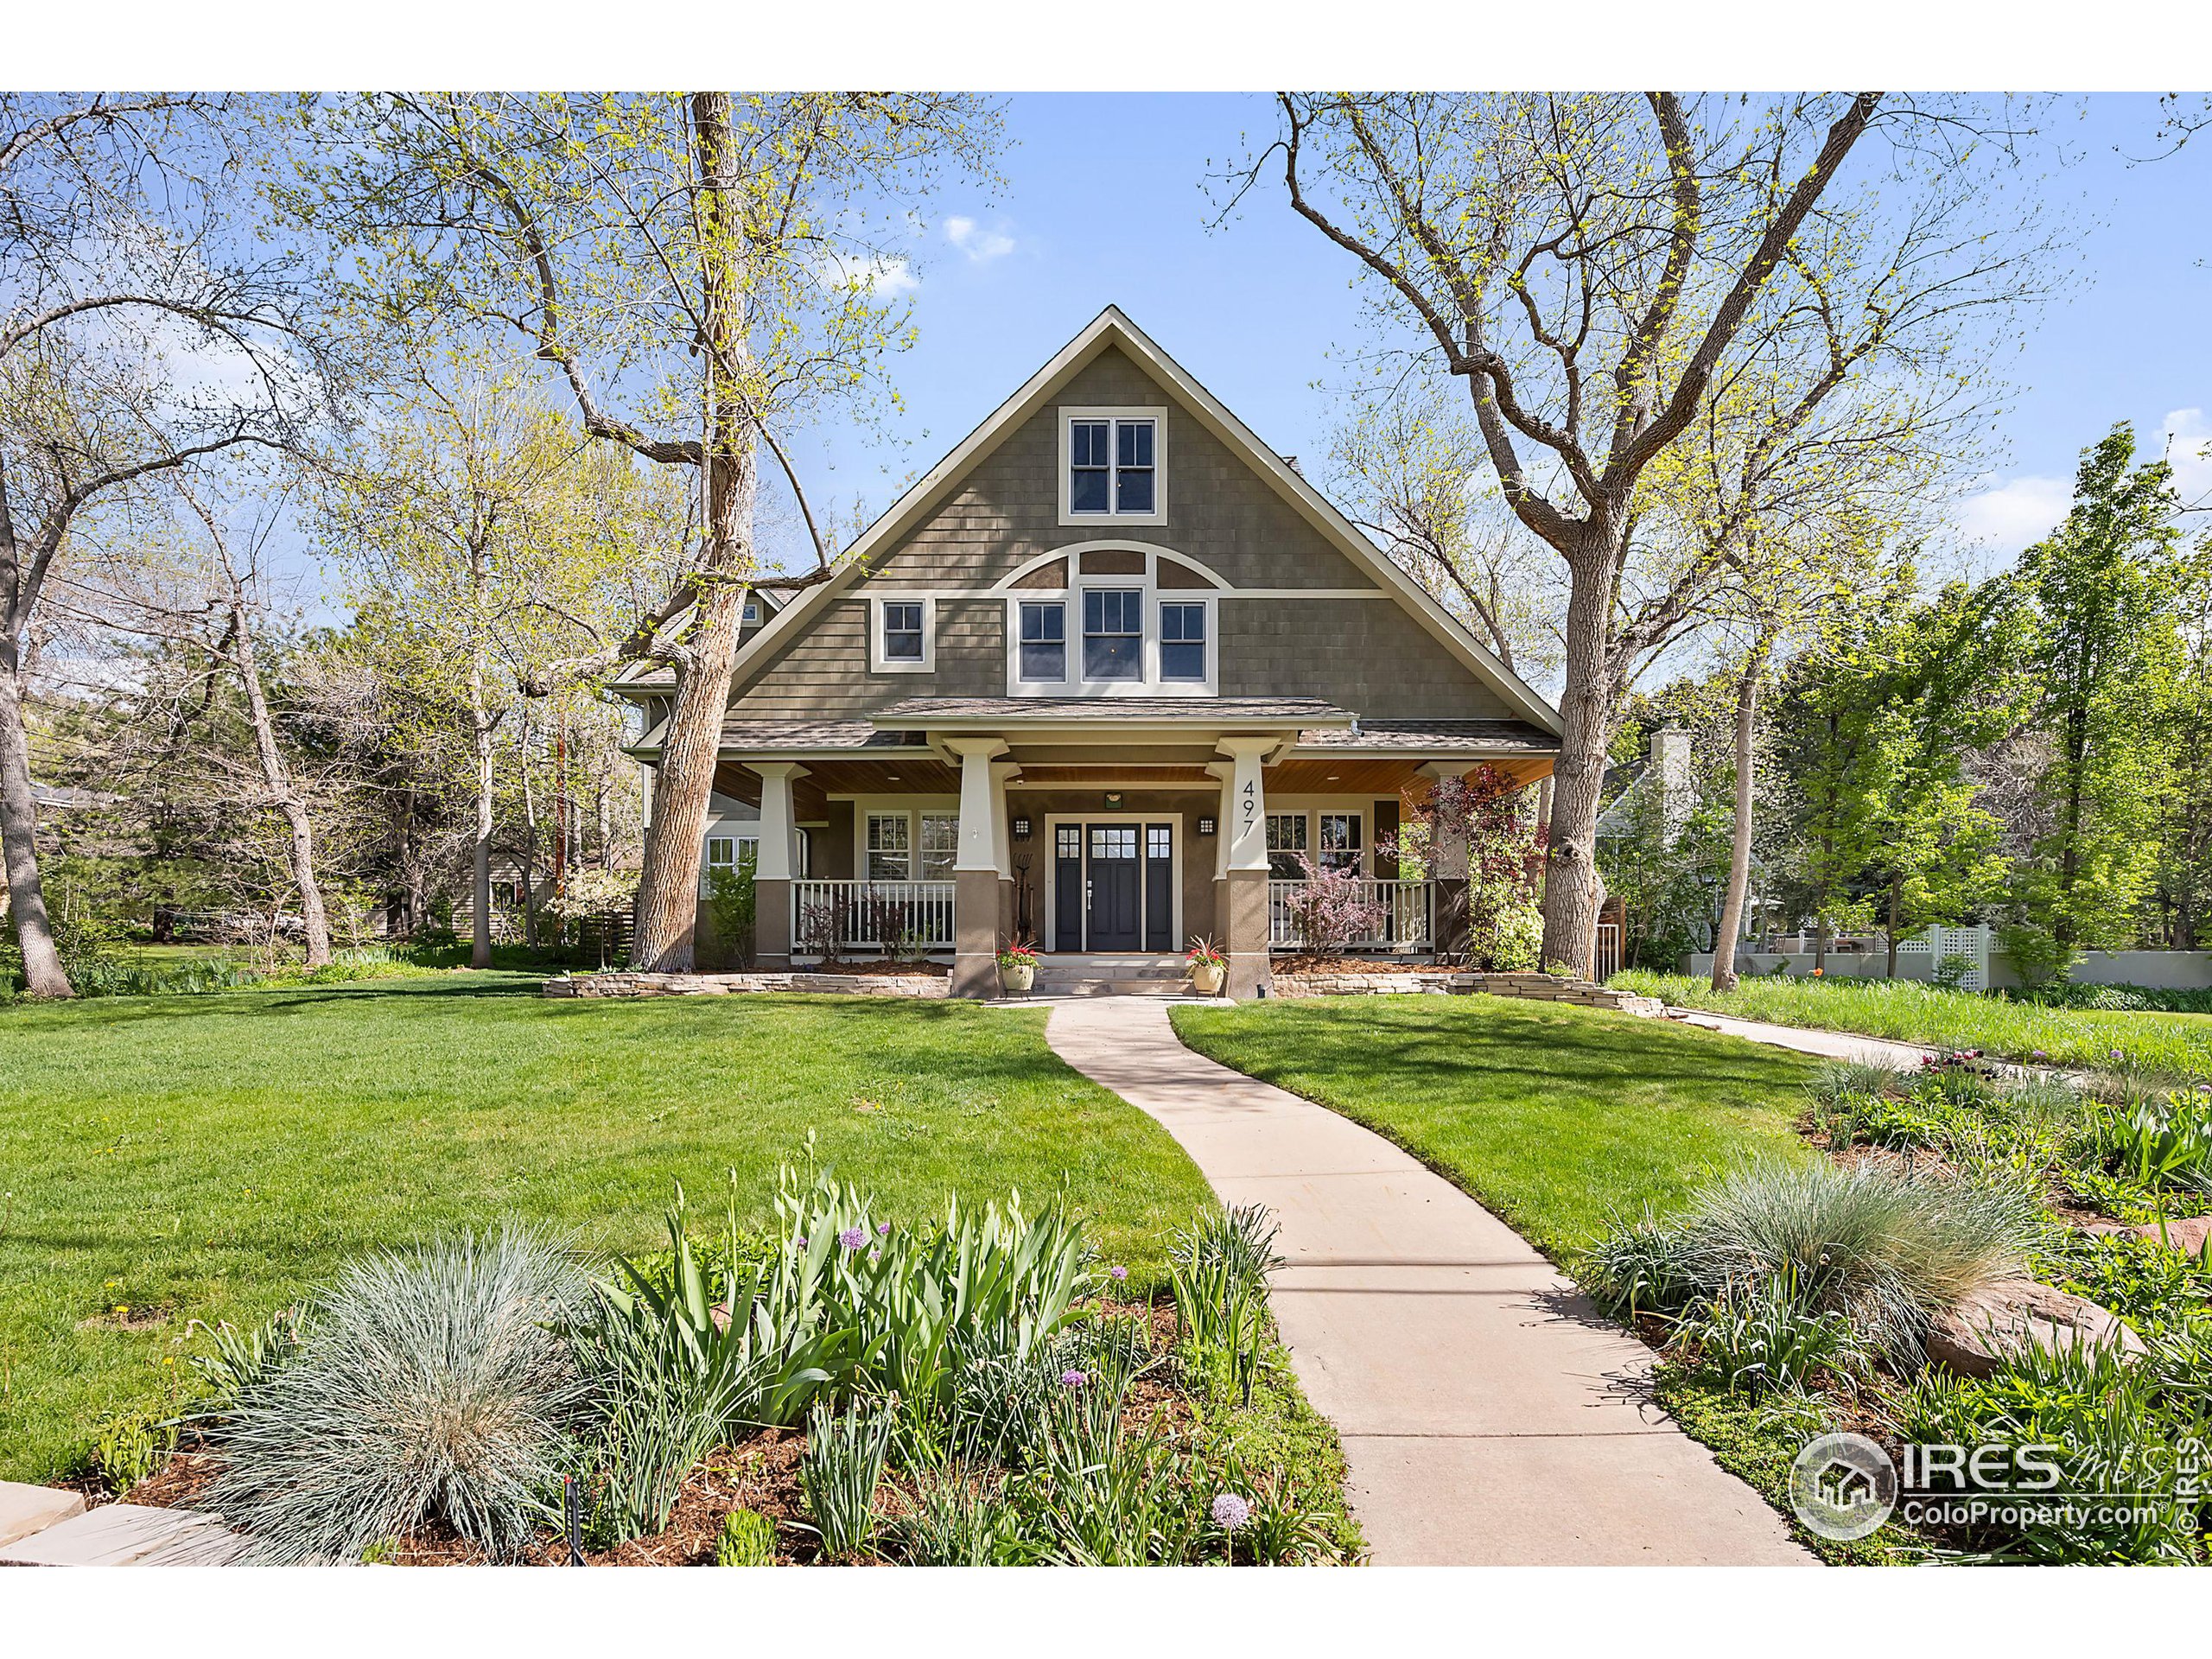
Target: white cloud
2005, 518
883, 274
2008, 517
982, 246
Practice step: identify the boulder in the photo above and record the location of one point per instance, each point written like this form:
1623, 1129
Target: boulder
2186, 1236
2011, 1315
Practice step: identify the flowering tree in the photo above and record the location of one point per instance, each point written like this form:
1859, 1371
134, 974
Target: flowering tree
1331, 908
1505, 860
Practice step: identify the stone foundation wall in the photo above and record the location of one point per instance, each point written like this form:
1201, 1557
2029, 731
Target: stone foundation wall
627, 984
1540, 987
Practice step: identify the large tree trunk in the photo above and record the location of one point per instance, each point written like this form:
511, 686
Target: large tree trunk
1573, 890
43, 972
668, 892
277, 778
1739, 845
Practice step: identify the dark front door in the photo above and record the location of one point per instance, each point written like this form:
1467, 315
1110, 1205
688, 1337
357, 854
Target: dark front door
1116, 890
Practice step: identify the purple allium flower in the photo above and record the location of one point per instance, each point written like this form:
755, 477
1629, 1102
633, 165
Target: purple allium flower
884, 1228
802, 1240
2038, 1055
2116, 1054
875, 1256
1117, 1273
853, 1237
1230, 1511
1072, 1379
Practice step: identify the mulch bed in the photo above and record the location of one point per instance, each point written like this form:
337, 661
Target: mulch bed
1304, 964
759, 1472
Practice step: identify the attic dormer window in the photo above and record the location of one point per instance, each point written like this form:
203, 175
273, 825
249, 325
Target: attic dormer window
1112, 465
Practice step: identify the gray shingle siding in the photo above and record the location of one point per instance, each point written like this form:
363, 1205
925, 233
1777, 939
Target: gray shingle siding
1366, 655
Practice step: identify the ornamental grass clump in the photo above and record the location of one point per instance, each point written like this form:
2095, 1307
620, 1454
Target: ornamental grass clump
839, 1472
1891, 1252
429, 1386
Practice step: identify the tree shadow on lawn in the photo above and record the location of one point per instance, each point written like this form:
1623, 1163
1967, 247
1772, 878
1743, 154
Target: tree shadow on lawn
1441, 1050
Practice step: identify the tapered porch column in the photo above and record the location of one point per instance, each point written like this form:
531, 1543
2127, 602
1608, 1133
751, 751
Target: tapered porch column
1447, 872
976, 868
1003, 773
775, 864
1242, 905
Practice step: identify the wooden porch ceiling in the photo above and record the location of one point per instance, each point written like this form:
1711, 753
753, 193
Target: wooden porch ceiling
923, 773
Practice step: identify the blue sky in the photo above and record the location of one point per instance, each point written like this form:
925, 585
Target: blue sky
1104, 203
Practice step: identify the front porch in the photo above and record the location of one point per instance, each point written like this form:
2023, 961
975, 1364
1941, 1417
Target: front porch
1109, 827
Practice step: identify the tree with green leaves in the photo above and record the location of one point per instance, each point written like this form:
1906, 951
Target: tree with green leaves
2107, 592
703, 273
1879, 721
1596, 270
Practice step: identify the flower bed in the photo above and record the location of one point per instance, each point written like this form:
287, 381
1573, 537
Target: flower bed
980, 1392
1951, 1273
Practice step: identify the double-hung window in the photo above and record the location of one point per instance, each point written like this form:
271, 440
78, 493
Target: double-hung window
1044, 657
940, 843
1183, 641
1285, 845
900, 641
1340, 839
890, 846
1113, 462
1113, 633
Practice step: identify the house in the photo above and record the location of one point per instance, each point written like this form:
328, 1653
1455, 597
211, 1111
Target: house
1098, 680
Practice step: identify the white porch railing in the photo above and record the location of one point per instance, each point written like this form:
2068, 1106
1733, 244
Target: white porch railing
1408, 915
872, 915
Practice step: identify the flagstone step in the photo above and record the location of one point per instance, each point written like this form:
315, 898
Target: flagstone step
128, 1534
25, 1510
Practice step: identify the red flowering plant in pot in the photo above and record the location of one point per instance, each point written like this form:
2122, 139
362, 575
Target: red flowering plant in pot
1208, 966
1017, 967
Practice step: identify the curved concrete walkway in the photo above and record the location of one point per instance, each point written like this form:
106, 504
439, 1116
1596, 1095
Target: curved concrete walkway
1806, 1040
1490, 1415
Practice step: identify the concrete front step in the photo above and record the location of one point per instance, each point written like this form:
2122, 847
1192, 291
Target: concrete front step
128, 1534
1090, 985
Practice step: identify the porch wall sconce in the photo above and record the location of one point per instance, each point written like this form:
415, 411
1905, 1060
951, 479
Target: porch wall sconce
1022, 828
1207, 826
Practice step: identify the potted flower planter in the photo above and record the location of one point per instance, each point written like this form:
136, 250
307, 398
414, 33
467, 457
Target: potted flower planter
1209, 969
1017, 970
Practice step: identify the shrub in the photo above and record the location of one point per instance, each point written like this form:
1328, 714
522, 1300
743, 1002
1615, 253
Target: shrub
1889, 1251
1330, 910
731, 904
747, 1539
433, 1386
839, 1472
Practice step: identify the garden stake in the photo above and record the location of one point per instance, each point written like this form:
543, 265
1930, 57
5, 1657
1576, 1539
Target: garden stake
570, 1501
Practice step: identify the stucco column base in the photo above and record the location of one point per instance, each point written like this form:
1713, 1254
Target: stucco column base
1242, 904
1455, 936
975, 932
771, 924
1006, 909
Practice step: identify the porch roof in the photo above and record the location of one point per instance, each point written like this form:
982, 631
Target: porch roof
1292, 712
1433, 737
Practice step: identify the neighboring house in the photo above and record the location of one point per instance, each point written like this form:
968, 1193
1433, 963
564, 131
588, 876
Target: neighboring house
1098, 679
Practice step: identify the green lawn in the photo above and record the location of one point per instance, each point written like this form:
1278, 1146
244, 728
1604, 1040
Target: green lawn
2177, 1043
211, 1157
1557, 1118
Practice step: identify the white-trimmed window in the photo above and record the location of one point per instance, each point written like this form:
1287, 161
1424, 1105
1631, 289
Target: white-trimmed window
940, 845
1042, 651
1287, 839
1339, 840
1183, 641
1113, 633
1113, 465
890, 846
902, 635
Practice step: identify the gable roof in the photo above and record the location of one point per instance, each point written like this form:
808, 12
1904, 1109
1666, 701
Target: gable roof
1108, 329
